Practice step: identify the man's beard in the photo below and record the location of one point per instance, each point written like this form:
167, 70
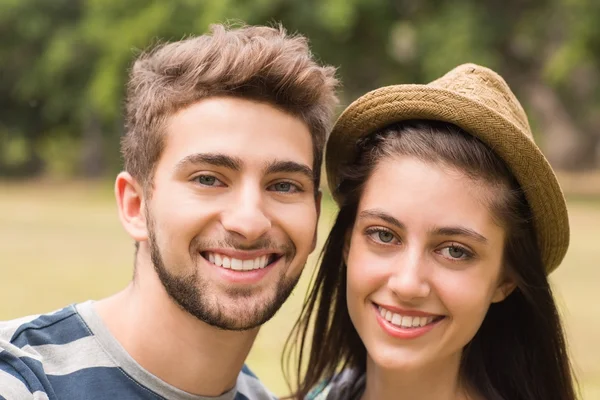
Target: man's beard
193, 295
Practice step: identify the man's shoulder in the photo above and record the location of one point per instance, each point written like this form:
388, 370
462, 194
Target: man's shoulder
57, 327
36, 346
249, 387
45, 337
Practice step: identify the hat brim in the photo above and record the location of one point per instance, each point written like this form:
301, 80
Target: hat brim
391, 104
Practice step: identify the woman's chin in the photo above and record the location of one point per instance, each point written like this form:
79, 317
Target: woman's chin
399, 361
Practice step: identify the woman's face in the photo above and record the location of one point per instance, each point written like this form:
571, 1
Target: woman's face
424, 263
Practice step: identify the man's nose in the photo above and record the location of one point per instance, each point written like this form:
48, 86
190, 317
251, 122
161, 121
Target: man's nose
246, 214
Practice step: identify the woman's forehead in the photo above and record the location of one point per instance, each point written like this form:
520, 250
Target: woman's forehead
406, 188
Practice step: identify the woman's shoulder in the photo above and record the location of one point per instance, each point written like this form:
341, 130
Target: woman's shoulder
347, 385
319, 392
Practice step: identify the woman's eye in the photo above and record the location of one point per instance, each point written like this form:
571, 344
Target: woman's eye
456, 253
208, 180
385, 237
382, 236
284, 187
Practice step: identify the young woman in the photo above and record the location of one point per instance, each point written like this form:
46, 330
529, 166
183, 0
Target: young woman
433, 281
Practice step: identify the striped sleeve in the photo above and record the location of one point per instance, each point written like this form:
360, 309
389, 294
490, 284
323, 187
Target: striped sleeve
18, 381
22, 375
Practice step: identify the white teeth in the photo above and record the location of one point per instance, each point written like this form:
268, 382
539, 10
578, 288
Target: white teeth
404, 321
237, 264
226, 262
389, 316
248, 265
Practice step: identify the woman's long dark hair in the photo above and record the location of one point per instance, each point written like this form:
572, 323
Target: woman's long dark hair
519, 352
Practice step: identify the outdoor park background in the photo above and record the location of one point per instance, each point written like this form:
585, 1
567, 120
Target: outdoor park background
63, 65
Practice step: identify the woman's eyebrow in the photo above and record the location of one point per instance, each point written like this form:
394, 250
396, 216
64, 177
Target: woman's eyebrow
380, 214
459, 231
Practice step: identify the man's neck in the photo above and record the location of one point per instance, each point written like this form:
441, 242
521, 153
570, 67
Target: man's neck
172, 344
434, 382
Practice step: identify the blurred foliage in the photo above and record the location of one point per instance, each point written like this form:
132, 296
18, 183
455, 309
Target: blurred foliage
64, 63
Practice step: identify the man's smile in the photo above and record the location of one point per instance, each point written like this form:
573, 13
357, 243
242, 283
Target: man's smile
239, 262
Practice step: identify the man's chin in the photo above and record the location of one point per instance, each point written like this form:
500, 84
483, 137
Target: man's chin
237, 326
227, 307
243, 313
248, 308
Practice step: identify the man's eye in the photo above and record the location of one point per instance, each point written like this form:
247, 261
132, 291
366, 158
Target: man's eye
284, 187
208, 180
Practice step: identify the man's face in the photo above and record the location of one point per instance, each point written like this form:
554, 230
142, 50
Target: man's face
232, 215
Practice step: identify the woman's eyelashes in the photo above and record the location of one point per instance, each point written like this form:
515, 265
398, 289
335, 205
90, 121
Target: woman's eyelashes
382, 236
453, 251
456, 252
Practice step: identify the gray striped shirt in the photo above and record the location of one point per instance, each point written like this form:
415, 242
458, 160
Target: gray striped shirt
70, 354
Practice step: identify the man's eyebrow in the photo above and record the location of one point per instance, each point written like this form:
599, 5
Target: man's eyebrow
290, 167
380, 214
460, 231
214, 159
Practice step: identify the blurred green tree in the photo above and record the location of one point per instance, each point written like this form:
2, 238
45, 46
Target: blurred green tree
64, 63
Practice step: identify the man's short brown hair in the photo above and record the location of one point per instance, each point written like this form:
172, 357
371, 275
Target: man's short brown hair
254, 62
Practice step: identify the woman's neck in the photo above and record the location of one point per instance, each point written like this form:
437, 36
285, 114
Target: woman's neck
430, 382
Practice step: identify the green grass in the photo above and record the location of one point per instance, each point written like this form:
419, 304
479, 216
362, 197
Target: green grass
63, 243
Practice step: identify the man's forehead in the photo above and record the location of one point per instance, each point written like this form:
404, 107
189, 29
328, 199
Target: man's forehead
263, 132
242, 150
240, 133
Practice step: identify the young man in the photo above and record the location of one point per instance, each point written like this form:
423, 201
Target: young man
224, 143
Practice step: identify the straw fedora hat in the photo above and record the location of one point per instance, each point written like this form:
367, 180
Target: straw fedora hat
480, 102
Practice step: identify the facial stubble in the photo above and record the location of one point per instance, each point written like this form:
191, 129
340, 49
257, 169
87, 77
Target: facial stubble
197, 296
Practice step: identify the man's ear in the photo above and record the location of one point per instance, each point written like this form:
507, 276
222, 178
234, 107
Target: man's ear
131, 206
506, 285
318, 199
